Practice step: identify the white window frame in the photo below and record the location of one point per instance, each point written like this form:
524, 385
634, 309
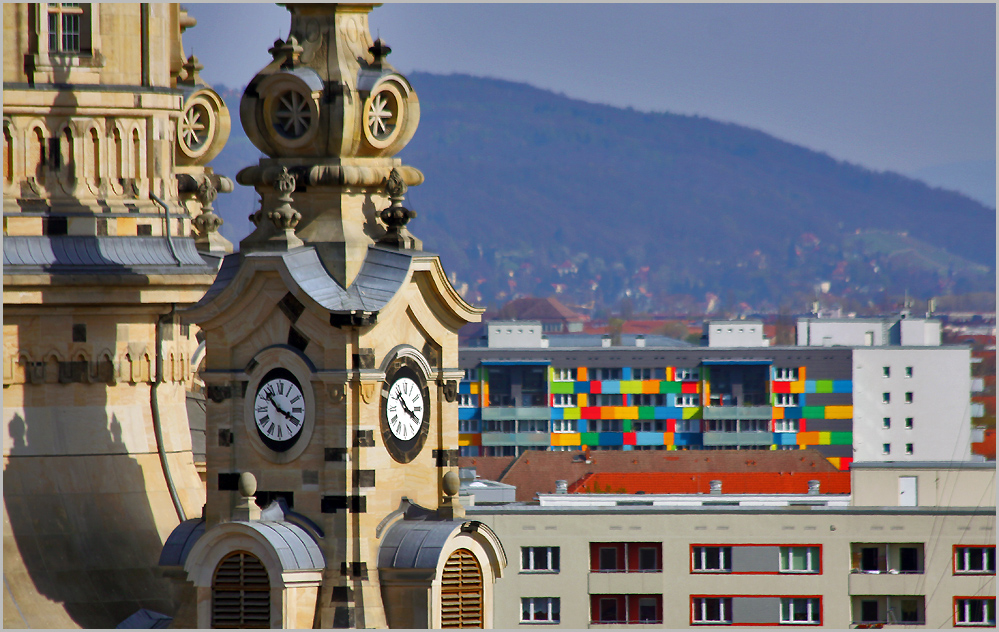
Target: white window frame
471, 375
964, 609
468, 400
701, 610
964, 554
699, 558
786, 374
564, 400
563, 375
540, 559
813, 610
812, 560
688, 400
468, 425
563, 425
786, 400
61, 11
533, 426
551, 605
785, 425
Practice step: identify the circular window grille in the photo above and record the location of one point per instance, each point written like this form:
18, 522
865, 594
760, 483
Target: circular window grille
196, 127
382, 116
292, 115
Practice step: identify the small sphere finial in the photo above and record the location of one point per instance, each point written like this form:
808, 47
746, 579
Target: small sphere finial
451, 484
247, 484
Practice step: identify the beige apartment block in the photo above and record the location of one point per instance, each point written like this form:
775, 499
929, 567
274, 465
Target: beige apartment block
657, 561
107, 203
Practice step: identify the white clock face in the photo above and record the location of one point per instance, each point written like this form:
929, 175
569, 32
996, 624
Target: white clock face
279, 409
405, 408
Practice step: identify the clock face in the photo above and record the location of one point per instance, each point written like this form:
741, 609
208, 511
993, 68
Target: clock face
279, 410
405, 408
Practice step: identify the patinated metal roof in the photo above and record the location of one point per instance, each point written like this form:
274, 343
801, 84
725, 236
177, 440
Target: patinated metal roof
84, 254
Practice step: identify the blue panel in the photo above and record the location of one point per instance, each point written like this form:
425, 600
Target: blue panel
557, 413
842, 386
802, 398
809, 386
582, 387
626, 373
671, 399
669, 412
582, 426
659, 374
610, 438
648, 438
610, 387
469, 413
627, 447
688, 438
785, 438
465, 387
792, 412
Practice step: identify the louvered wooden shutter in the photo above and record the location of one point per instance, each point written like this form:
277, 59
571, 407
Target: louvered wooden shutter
241, 593
461, 591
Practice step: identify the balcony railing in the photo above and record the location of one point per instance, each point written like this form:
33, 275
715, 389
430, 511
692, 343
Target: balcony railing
627, 622
626, 570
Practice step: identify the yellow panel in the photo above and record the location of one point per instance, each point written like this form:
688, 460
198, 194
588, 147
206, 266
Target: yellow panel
798, 387
484, 400
565, 438
582, 374
839, 412
651, 387
670, 374
627, 412
607, 412
801, 374
473, 388
778, 413
631, 387
691, 413
824, 438
667, 438
834, 460
706, 395
581, 400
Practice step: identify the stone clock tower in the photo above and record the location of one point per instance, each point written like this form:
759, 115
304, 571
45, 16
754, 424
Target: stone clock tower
331, 370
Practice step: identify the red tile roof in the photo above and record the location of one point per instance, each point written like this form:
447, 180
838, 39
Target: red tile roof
490, 468
536, 471
986, 448
699, 482
539, 309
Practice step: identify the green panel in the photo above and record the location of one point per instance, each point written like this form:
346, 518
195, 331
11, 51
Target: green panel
589, 438
570, 413
840, 438
627, 425
823, 386
670, 387
563, 388
646, 412
691, 413
813, 412
631, 387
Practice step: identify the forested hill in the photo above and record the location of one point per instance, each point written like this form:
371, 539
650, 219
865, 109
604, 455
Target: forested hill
529, 192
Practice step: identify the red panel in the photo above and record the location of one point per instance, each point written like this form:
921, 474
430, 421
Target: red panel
781, 387
629, 438
671, 425
595, 387
590, 412
802, 425
689, 387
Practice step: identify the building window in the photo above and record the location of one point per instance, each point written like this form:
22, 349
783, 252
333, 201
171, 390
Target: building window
610, 425
650, 399
908, 449
908, 371
800, 559
468, 425
563, 425
885, 398
785, 399
471, 375
908, 397
564, 375
720, 425
563, 400
711, 559
886, 422
754, 425
608, 400
785, 375
641, 374
461, 591
606, 374
540, 609
539, 559
980, 611
466, 400
886, 371
66, 21
712, 610
686, 375
885, 448
532, 425
785, 425
975, 560
908, 423
499, 425
648, 610
241, 593
688, 425
688, 401
608, 560
800, 610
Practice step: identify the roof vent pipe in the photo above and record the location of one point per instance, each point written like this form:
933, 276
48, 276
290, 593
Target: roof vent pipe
561, 487
605, 341
813, 487
715, 487
639, 340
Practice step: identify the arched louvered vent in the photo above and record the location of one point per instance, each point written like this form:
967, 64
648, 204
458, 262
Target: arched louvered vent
241, 593
461, 591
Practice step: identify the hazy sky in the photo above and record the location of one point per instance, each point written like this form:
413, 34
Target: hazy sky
902, 87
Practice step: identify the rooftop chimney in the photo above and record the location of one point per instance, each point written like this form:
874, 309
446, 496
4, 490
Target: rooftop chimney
605, 341
561, 487
813, 487
639, 340
715, 487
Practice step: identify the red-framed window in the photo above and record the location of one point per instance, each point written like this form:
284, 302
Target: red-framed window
804, 559
974, 560
975, 611
626, 609
718, 610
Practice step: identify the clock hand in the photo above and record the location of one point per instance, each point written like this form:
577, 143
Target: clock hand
405, 407
270, 398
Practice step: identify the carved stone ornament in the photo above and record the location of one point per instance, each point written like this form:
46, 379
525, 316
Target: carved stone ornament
335, 393
207, 193
368, 391
285, 218
451, 390
207, 223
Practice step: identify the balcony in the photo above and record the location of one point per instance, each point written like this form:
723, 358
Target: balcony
737, 412
648, 582
892, 583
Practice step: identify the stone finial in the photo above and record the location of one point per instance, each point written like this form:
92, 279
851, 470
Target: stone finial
290, 50
246, 508
380, 50
450, 507
451, 484
396, 216
191, 68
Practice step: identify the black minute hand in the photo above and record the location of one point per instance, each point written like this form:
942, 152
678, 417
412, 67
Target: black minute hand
270, 398
405, 407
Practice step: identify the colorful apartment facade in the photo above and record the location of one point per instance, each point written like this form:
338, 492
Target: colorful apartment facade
905, 402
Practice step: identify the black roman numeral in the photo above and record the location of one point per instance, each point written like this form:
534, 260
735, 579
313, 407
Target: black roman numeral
295, 399
280, 388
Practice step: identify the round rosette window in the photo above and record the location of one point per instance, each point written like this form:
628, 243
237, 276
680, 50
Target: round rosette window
203, 128
291, 109
383, 115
